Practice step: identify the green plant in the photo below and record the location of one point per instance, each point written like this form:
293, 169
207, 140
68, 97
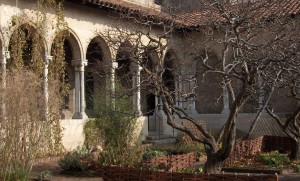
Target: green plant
150, 153
273, 159
45, 175
157, 151
18, 173
77, 160
115, 130
186, 170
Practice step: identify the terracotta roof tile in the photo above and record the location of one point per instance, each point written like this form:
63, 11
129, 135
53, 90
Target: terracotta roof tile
149, 12
268, 127
256, 10
202, 17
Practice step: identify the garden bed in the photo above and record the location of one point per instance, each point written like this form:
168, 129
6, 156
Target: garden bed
252, 170
125, 173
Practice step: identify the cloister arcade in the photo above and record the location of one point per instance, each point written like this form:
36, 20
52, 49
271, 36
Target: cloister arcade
95, 69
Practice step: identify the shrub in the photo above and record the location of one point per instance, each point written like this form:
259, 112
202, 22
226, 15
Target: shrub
114, 130
151, 153
158, 151
79, 159
273, 159
26, 133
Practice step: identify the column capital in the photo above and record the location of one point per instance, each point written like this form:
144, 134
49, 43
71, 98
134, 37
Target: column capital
48, 58
79, 64
135, 67
114, 65
4, 56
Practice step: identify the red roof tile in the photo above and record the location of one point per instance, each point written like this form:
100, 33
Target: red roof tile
203, 17
149, 12
260, 9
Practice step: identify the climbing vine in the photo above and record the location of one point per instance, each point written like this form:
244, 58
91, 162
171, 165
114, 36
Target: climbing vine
31, 126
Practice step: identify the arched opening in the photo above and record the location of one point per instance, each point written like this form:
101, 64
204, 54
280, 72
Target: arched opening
26, 49
64, 49
124, 78
208, 88
148, 98
168, 75
123, 73
96, 75
69, 74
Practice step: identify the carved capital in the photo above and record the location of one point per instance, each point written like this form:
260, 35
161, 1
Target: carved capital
4, 57
79, 64
135, 68
115, 65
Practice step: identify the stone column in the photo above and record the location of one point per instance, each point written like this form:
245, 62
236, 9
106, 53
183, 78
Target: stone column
4, 57
136, 81
226, 108
48, 58
261, 94
113, 82
79, 89
192, 89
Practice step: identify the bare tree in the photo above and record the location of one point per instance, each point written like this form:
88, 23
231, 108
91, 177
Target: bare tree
248, 42
288, 83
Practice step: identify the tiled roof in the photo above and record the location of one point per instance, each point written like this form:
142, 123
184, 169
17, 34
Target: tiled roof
268, 127
202, 17
133, 9
256, 10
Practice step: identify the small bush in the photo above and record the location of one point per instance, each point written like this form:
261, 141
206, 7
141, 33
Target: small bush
158, 151
151, 153
274, 159
79, 159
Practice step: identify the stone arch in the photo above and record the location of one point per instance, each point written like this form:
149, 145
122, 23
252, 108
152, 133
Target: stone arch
170, 75
27, 34
2, 43
148, 97
123, 71
209, 92
99, 58
72, 51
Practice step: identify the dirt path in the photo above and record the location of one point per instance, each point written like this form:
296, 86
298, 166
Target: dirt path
56, 176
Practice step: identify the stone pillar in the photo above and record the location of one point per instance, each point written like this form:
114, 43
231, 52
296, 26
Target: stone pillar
192, 89
4, 57
79, 89
261, 94
226, 108
48, 58
113, 83
136, 81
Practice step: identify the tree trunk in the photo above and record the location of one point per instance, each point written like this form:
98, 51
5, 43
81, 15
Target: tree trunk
212, 164
296, 151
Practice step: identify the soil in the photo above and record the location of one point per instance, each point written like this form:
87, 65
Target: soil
57, 173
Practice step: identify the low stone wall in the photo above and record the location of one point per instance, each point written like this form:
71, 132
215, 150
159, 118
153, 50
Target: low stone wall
72, 133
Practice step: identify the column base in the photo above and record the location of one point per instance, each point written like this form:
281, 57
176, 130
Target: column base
225, 111
80, 115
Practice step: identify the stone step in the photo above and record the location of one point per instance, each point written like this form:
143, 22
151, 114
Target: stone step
158, 137
165, 141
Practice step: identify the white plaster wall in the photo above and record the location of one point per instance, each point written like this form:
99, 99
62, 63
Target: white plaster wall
72, 134
141, 128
